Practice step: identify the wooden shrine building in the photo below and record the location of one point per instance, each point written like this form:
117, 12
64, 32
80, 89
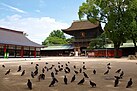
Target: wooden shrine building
15, 44
83, 32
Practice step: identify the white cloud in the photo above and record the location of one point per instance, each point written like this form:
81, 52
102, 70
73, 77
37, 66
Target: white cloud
37, 11
13, 8
36, 28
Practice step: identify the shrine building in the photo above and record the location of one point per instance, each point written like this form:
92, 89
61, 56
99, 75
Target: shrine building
16, 44
83, 32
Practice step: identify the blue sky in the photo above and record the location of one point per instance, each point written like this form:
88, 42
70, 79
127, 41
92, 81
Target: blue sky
38, 17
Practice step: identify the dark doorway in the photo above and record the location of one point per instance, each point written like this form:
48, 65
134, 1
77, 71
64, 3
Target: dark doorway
83, 51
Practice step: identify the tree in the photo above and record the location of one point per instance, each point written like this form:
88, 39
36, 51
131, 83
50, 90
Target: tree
57, 33
99, 42
115, 15
55, 37
132, 30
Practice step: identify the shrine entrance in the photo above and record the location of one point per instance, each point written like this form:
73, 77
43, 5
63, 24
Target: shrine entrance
83, 32
83, 51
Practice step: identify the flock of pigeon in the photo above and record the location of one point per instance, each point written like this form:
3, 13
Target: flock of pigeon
65, 68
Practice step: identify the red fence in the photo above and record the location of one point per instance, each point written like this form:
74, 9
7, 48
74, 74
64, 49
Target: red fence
103, 53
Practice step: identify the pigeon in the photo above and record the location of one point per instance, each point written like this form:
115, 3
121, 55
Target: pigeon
29, 84
54, 80
116, 82
61, 65
37, 64
92, 84
121, 75
60, 69
56, 73
118, 71
50, 68
43, 70
81, 81
7, 72
31, 63
36, 67
32, 74
73, 78
56, 70
66, 64
65, 80
76, 71
74, 66
129, 83
19, 68
23, 73
108, 64
85, 75
108, 67
84, 67
41, 77
80, 70
94, 71
106, 72
35, 72
117, 77
52, 74
3, 66
68, 69
52, 83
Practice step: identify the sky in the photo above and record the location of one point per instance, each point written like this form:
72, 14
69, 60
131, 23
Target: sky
38, 18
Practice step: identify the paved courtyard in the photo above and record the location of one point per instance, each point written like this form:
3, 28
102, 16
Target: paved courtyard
15, 82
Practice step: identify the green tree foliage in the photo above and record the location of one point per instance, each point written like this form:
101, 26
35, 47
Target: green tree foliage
132, 30
99, 42
57, 33
114, 13
70, 40
55, 37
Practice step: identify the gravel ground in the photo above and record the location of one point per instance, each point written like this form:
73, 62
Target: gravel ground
14, 82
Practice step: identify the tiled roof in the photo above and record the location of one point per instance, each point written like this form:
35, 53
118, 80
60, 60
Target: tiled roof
81, 25
58, 47
125, 45
8, 36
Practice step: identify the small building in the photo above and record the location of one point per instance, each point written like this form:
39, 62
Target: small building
124, 50
83, 32
58, 50
16, 44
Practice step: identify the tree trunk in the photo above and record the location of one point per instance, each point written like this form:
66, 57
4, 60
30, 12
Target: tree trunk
134, 41
116, 47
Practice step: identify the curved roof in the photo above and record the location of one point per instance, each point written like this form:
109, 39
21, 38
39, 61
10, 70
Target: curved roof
8, 36
81, 25
59, 47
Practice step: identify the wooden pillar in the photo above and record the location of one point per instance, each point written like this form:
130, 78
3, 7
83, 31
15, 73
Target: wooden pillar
29, 51
15, 50
35, 52
22, 52
4, 48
